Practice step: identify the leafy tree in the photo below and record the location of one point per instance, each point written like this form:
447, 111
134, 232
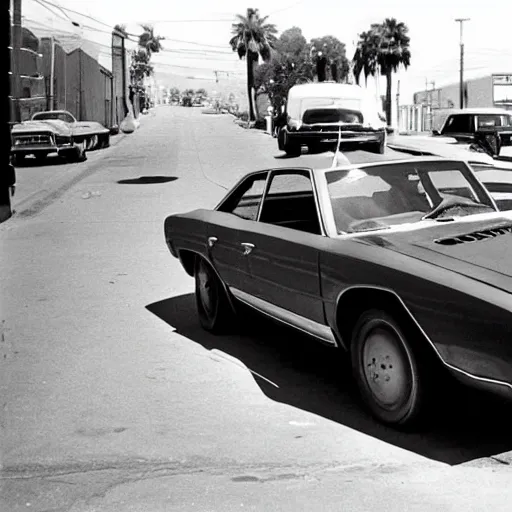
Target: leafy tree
252, 38
174, 93
290, 65
383, 49
329, 57
121, 29
140, 67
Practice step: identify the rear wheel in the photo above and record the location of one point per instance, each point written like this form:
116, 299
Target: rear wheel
387, 370
215, 312
92, 142
104, 141
290, 146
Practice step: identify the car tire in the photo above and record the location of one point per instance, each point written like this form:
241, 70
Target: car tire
104, 141
378, 147
91, 143
78, 154
387, 370
18, 159
213, 307
291, 147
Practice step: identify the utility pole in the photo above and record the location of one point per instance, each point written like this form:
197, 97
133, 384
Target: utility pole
398, 106
7, 172
461, 91
17, 39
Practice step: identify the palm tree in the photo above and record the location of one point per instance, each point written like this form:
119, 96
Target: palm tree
392, 54
148, 41
252, 38
365, 57
383, 49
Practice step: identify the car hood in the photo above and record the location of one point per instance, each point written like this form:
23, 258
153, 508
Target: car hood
48, 125
479, 249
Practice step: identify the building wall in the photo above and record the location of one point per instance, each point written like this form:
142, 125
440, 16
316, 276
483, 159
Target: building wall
58, 102
478, 93
89, 88
33, 96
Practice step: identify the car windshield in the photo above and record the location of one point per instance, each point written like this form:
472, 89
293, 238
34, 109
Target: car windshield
59, 116
378, 197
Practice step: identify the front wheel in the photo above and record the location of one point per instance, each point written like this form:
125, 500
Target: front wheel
378, 147
214, 310
387, 370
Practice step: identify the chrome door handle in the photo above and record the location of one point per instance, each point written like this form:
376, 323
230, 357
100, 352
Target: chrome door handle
211, 241
247, 248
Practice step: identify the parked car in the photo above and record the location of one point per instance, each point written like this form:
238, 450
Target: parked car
402, 263
491, 127
494, 172
318, 114
94, 134
40, 138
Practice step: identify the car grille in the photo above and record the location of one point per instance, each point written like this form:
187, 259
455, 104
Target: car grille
32, 140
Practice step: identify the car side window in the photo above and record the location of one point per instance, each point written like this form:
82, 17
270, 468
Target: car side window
459, 124
290, 203
246, 200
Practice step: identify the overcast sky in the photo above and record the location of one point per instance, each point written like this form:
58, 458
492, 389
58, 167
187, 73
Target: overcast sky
433, 31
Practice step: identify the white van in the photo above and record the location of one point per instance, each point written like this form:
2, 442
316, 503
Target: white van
317, 112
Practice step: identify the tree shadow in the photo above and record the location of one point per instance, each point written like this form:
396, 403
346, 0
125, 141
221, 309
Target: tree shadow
317, 379
147, 180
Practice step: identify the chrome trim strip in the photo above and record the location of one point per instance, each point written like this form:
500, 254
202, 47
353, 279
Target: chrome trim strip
320, 331
448, 365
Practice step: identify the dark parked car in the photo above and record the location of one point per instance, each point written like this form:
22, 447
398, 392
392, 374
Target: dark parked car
489, 127
404, 264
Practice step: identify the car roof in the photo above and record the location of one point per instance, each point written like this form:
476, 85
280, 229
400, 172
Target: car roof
481, 111
320, 89
377, 160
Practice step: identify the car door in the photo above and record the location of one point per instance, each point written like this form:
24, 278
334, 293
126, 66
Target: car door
283, 258
227, 226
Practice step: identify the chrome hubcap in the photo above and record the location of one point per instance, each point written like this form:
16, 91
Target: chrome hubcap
386, 370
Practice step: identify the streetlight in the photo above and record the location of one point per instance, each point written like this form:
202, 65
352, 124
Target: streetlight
461, 91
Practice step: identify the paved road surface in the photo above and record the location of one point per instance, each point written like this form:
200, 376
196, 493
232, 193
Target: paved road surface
113, 399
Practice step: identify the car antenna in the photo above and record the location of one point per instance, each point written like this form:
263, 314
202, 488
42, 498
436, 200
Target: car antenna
338, 155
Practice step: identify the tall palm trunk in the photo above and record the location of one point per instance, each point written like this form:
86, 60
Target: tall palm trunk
250, 84
389, 76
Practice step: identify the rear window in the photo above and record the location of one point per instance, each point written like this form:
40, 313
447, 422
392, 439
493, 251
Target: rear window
332, 115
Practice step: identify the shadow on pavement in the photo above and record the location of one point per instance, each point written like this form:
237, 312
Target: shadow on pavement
145, 180
317, 379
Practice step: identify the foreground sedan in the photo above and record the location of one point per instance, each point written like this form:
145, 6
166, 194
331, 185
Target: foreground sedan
403, 264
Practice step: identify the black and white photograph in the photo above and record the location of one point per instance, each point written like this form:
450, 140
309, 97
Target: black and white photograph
256, 257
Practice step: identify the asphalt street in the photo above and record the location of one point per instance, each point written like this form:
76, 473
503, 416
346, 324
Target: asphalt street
113, 398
